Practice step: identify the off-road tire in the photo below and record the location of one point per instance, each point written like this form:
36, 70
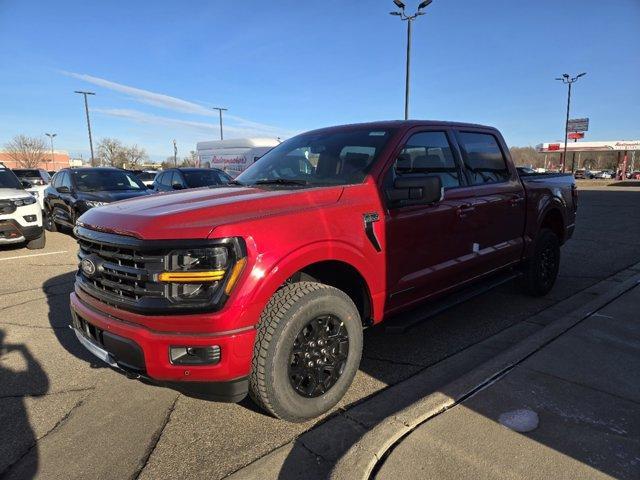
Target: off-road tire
37, 243
541, 270
285, 315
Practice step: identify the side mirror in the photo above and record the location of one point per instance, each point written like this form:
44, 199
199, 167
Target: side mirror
26, 184
63, 189
416, 189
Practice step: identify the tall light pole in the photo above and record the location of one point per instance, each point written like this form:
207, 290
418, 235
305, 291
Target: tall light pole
175, 153
86, 109
409, 19
220, 110
53, 161
568, 80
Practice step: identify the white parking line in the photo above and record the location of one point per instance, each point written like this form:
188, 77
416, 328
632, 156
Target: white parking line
33, 255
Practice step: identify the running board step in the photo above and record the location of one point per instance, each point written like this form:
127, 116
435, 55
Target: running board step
405, 321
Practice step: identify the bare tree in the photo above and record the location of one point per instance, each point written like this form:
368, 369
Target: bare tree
191, 160
27, 151
135, 155
111, 152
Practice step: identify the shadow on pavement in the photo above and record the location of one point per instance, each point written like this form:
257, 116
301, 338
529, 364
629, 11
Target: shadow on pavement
18, 437
57, 290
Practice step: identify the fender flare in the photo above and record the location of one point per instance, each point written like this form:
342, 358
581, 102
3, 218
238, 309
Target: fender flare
321, 251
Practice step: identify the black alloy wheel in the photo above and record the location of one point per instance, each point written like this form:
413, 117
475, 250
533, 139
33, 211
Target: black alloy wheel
318, 356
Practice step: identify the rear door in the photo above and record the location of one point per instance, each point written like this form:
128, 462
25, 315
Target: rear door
499, 202
428, 246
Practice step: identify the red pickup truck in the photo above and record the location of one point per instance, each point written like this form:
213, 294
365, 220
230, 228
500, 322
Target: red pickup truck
265, 285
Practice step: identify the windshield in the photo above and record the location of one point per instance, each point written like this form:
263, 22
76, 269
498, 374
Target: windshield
106, 180
205, 178
146, 176
325, 158
9, 180
27, 173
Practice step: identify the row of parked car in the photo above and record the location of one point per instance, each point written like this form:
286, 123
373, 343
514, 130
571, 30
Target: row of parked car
606, 174
59, 198
73, 191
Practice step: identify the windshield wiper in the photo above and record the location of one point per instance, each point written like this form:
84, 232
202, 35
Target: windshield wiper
280, 181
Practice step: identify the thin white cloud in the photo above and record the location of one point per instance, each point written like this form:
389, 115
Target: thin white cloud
175, 104
202, 127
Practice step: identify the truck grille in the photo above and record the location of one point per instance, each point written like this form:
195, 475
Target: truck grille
123, 275
122, 271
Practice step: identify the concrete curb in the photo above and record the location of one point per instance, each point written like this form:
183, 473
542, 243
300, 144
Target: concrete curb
361, 459
349, 444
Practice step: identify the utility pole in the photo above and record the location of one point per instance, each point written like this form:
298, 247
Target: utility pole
53, 161
409, 19
175, 153
568, 80
86, 109
220, 110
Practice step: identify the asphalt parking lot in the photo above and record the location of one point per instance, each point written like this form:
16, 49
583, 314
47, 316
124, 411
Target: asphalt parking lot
65, 415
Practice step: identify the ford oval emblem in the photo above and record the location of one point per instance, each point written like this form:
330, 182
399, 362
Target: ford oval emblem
88, 267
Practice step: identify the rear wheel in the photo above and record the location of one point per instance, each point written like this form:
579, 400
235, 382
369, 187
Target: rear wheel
541, 270
49, 223
37, 243
307, 351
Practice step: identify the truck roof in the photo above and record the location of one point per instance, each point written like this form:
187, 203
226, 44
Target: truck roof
385, 124
238, 143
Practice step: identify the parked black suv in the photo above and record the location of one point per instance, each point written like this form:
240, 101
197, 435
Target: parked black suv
73, 191
182, 178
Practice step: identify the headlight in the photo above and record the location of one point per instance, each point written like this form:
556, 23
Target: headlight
202, 275
21, 202
91, 203
35, 193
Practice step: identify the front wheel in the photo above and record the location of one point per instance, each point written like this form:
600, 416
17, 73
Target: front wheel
37, 243
49, 222
541, 270
307, 351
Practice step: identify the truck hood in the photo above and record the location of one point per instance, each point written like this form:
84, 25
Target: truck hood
195, 213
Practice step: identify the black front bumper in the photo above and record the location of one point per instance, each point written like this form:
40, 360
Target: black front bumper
10, 229
126, 355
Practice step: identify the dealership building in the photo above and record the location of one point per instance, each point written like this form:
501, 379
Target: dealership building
626, 152
59, 160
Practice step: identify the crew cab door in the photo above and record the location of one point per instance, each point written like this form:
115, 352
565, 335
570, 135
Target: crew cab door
499, 199
428, 246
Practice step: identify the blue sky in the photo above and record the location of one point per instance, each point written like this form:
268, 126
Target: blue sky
283, 67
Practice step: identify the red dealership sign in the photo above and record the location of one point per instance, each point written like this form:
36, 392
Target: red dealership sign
576, 135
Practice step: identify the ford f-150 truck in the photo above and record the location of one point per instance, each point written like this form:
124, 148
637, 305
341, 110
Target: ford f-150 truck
265, 285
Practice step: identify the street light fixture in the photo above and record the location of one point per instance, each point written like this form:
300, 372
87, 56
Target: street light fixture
568, 80
86, 109
409, 18
51, 136
220, 110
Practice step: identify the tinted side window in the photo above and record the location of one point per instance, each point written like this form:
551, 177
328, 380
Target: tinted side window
165, 179
177, 179
429, 152
57, 178
483, 158
66, 180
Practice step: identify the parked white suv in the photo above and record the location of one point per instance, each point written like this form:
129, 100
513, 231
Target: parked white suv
20, 213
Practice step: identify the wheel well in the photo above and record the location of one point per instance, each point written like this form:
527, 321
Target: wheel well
553, 221
343, 277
